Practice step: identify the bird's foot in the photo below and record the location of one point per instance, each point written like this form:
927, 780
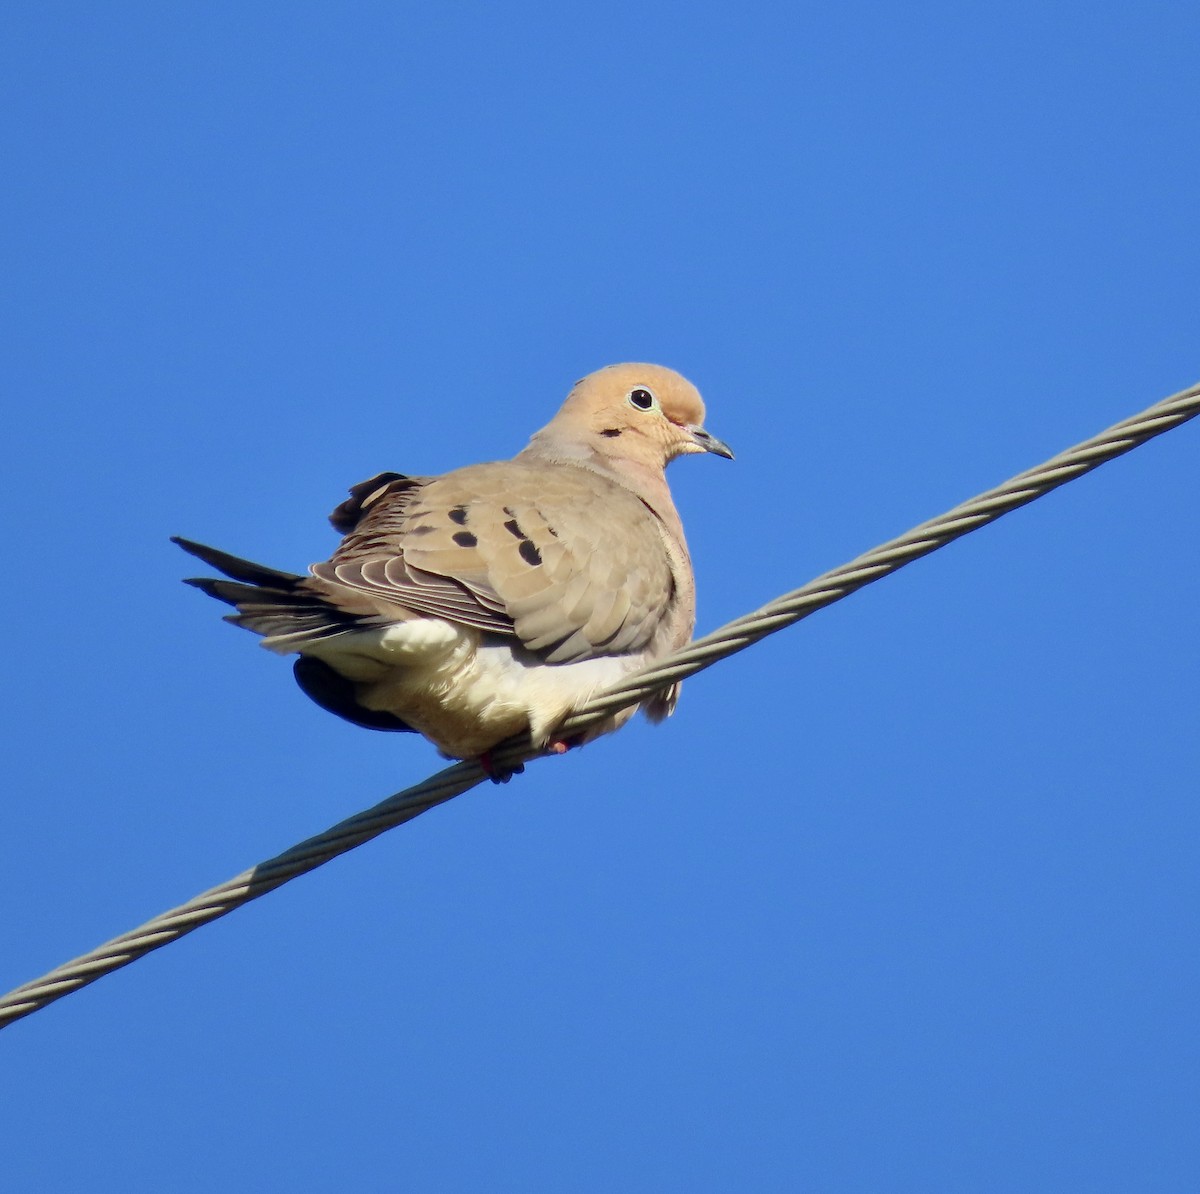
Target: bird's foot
502, 774
496, 773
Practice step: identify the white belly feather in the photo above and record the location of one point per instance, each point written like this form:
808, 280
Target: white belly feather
463, 689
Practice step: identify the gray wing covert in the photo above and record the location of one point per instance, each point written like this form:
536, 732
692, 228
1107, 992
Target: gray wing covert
567, 561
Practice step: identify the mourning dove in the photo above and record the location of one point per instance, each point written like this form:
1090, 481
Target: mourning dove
497, 598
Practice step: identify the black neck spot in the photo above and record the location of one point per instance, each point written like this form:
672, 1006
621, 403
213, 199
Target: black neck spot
611, 432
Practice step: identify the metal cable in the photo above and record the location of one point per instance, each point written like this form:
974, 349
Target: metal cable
698, 655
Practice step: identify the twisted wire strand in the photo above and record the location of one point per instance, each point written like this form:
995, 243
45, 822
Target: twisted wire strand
695, 657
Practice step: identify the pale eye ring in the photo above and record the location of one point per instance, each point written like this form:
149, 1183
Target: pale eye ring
641, 399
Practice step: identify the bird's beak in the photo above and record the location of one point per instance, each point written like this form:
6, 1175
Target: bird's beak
709, 443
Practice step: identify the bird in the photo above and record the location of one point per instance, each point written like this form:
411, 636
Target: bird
495, 599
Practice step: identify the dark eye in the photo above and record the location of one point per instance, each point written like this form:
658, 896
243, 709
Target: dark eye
642, 399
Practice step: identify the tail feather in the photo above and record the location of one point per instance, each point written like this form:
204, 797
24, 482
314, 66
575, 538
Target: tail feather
334, 693
233, 592
235, 567
291, 615
280, 606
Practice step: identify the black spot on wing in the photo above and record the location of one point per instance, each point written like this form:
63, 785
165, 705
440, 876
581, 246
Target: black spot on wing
459, 515
530, 553
513, 529
464, 539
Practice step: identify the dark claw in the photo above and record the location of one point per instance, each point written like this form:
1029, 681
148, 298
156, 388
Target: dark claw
497, 774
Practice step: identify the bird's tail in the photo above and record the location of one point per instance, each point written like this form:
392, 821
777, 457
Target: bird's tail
281, 606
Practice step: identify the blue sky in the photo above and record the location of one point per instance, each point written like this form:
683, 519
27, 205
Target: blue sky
901, 899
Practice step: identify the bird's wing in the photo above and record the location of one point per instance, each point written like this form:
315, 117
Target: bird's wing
569, 562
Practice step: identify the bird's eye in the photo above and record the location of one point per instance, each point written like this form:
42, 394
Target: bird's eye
642, 399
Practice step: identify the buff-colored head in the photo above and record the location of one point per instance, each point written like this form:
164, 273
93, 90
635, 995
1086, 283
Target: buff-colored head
640, 414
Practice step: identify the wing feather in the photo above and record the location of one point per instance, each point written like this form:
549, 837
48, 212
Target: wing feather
564, 559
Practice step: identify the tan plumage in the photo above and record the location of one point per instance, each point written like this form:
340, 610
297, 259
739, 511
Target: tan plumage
498, 597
